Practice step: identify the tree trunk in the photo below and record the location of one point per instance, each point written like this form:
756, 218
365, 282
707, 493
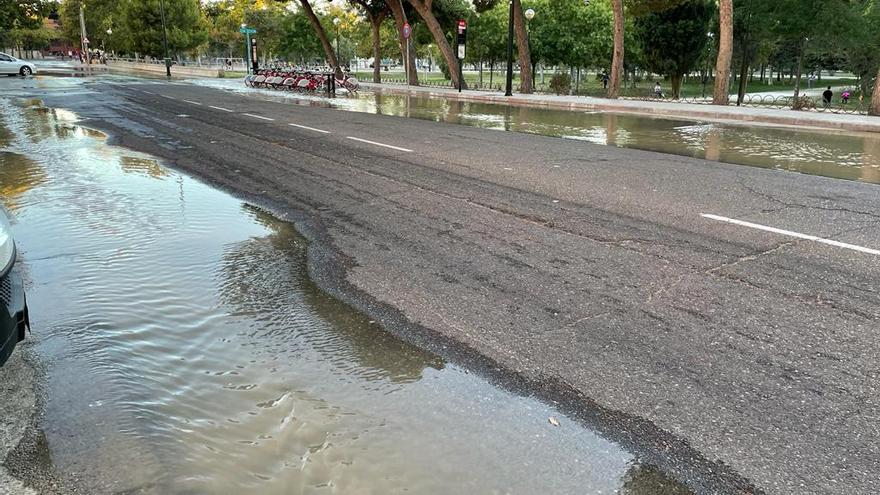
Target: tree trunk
399, 14
743, 74
676, 85
874, 109
322, 35
800, 68
423, 7
617, 61
525, 55
376, 23
725, 53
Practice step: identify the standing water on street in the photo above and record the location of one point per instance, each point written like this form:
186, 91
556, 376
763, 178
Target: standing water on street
187, 351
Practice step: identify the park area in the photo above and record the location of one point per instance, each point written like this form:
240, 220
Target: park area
730, 52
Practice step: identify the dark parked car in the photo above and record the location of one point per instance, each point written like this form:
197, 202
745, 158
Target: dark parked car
14, 313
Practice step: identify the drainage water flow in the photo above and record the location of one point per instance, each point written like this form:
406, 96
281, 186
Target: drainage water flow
852, 156
188, 352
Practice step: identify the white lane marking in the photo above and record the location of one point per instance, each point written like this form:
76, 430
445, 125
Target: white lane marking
169, 97
310, 128
149, 92
379, 144
193, 102
789, 233
220, 108
257, 116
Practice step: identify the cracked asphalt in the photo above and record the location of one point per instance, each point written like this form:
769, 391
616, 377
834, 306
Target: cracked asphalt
739, 360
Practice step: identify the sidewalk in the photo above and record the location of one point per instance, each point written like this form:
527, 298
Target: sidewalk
691, 111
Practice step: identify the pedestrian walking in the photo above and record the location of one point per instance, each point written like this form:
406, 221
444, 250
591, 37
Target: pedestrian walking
605, 80
845, 97
827, 96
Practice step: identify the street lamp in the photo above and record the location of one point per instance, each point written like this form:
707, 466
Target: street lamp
530, 14
336, 23
708, 53
165, 40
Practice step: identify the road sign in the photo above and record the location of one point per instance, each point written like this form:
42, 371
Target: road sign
247, 30
407, 30
462, 37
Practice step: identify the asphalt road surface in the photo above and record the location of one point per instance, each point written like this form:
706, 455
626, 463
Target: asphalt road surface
722, 319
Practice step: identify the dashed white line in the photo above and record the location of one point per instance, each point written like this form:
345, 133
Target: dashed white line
220, 108
169, 97
148, 92
379, 144
789, 233
257, 116
193, 102
322, 131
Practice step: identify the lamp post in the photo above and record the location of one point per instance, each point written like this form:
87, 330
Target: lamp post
708, 53
508, 89
530, 14
165, 40
336, 23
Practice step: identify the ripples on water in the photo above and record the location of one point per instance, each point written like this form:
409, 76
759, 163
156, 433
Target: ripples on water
189, 353
852, 156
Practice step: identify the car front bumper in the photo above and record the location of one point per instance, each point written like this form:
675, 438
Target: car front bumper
14, 321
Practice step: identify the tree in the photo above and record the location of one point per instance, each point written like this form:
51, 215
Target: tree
796, 25
488, 37
522, 42
99, 15
376, 11
725, 52
322, 35
874, 109
673, 39
299, 42
618, 54
186, 25
425, 10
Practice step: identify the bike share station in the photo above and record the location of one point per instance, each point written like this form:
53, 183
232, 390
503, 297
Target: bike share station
291, 79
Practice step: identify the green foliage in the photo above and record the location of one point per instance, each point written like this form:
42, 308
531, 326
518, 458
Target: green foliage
673, 39
185, 21
299, 42
99, 16
560, 83
487, 35
565, 32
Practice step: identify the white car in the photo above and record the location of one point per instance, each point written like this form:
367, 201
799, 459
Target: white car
12, 65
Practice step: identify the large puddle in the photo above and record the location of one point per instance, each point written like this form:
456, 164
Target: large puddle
852, 156
188, 352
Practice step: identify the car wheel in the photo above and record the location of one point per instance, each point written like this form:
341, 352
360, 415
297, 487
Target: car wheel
26, 71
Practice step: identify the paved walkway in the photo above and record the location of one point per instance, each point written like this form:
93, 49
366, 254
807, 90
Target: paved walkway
730, 114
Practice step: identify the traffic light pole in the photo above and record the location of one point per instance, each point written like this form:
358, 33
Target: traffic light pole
509, 88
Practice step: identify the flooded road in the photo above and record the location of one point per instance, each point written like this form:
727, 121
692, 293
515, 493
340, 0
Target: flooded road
188, 352
850, 155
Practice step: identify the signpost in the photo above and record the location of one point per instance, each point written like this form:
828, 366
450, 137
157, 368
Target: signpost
248, 48
407, 32
462, 41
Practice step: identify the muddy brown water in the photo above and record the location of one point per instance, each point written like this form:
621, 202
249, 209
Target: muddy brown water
842, 155
187, 350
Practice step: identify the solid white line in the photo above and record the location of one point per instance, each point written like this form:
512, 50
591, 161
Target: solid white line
310, 128
257, 116
789, 233
379, 144
220, 108
193, 102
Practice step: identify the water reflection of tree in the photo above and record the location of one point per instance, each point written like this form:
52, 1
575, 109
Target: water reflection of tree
266, 279
648, 480
18, 175
143, 166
